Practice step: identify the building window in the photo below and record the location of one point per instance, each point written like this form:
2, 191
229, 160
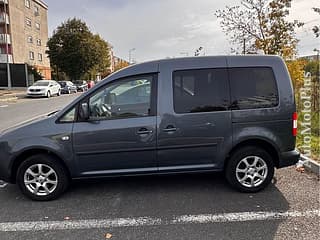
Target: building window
40, 57
28, 22
38, 26
31, 55
27, 3
38, 42
30, 39
36, 10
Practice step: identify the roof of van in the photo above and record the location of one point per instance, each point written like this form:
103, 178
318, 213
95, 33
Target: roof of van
153, 66
182, 59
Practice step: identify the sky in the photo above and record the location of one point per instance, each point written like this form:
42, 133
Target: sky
168, 28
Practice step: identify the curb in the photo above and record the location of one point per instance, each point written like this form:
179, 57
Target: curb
12, 97
9, 99
311, 165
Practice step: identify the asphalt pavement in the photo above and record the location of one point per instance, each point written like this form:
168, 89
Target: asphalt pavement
15, 112
197, 206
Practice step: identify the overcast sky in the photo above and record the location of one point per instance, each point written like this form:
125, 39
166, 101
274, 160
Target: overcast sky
167, 28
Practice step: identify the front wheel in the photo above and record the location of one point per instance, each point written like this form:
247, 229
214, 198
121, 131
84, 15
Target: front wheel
42, 178
250, 169
48, 94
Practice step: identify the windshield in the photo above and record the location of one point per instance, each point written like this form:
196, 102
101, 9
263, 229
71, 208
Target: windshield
41, 83
62, 84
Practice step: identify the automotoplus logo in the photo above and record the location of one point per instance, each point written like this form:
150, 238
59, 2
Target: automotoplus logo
305, 123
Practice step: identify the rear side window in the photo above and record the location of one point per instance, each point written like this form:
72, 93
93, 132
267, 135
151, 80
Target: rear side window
253, 88
201, 90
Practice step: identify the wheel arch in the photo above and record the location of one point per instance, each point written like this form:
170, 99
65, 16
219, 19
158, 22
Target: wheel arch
30, 152
261, 143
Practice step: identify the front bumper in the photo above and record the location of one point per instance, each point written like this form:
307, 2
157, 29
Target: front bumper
36, 94
288, 158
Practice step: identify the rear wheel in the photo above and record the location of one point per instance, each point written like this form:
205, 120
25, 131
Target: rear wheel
42, 178
250, 169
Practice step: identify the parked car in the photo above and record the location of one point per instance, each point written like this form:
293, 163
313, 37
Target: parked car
44, 88
81, 85
234, 114
67, 87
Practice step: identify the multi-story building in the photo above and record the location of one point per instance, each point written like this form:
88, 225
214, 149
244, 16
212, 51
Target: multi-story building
24, 34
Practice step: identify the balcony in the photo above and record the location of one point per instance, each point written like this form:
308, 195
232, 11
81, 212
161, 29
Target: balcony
5, 38
4, 18
3, 58
3, 1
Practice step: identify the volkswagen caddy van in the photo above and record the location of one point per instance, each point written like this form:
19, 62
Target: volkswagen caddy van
234, 114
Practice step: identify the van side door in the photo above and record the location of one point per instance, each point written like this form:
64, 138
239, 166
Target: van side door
195, 120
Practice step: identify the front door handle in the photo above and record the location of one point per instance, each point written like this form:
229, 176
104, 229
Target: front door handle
170, 128
143, 131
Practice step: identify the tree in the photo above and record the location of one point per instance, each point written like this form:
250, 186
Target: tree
73, 49
316, 29
261, 25
33, 71
121, 64
102, 51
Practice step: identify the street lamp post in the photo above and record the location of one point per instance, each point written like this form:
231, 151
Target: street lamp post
130, 53
7, 45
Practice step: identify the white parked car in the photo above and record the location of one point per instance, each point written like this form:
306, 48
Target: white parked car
44, 88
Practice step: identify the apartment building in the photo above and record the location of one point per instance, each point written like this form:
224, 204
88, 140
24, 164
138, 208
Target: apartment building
24, 34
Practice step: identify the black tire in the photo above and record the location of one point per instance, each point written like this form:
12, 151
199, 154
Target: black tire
69, 91
48, 94
246, 153
46, 160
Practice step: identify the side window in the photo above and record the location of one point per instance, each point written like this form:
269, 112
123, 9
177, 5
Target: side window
69, 116
253, 87
123, 99
201, 90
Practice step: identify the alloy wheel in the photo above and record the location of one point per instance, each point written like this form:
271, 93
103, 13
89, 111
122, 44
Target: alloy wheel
251, 171
40, 179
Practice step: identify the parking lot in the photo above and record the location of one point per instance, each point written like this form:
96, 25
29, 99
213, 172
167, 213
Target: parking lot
197, 206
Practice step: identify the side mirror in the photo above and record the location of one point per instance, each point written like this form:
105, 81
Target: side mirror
84, 111
50, 85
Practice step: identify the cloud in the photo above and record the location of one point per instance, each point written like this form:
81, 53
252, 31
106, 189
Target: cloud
157, 29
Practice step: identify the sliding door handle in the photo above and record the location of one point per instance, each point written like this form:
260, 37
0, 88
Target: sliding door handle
143, 131
170, 128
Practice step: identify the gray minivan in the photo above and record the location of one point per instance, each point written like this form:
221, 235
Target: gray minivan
226, 113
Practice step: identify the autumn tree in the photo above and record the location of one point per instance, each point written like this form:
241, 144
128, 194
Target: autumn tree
74, 50
261, 25
120, 65
316, 28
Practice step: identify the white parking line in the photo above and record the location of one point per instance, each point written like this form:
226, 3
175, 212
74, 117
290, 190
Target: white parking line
152, 221
4, 106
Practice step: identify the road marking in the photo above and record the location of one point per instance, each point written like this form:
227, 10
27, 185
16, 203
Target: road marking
152, 221
4, 106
